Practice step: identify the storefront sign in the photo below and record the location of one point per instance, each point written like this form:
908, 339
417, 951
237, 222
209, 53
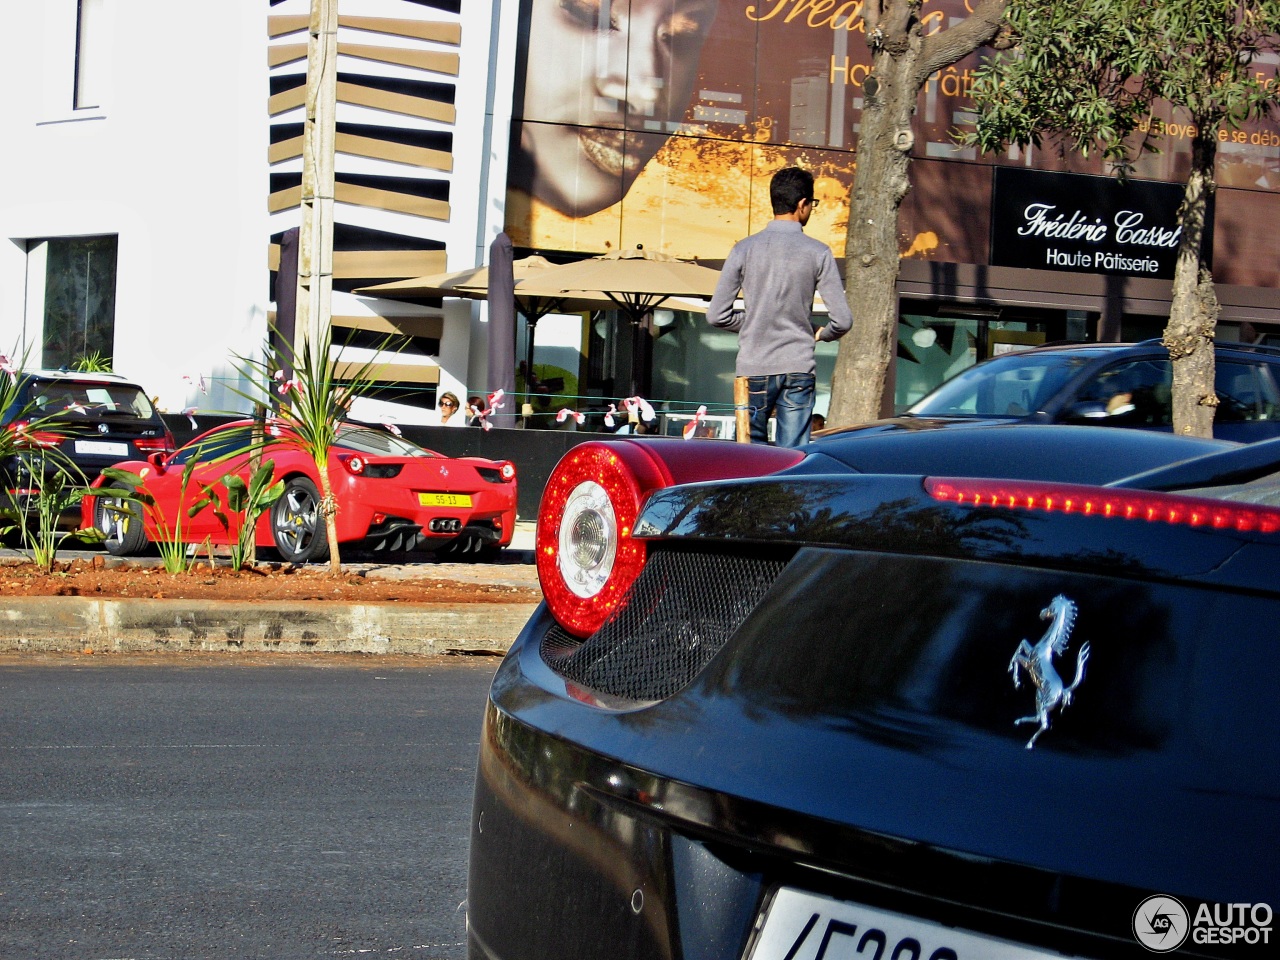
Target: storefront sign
1062, 221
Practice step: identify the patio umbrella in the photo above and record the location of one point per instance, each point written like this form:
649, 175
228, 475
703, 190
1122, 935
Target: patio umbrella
502, 326
473, 284
635, 281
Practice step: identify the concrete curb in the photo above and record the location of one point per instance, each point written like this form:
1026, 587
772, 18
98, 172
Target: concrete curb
78, 624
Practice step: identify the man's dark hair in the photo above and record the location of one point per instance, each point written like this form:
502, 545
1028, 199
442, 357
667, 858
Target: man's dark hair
788, 187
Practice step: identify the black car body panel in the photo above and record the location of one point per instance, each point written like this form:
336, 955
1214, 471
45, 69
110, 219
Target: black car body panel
852, 732
97, 419
1071, 454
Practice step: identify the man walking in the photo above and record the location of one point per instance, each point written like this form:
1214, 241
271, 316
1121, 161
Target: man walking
778, 270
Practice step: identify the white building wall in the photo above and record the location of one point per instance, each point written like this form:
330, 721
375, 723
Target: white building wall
173, 162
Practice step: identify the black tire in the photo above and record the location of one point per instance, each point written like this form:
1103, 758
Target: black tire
121, 524
296, 525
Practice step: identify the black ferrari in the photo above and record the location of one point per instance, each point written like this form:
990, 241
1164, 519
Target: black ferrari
1002, 692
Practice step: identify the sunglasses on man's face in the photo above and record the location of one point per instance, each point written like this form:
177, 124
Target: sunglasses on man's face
447, 403
813, 203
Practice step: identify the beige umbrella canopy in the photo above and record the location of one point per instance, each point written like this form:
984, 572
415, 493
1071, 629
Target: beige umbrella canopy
635, 280
473, 284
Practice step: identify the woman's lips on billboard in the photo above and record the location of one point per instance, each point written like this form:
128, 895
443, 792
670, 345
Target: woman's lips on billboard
607, 149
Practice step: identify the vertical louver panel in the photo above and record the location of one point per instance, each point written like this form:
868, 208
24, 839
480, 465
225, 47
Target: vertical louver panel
397, 79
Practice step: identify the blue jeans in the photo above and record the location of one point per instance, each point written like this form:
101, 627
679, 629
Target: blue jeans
790, 396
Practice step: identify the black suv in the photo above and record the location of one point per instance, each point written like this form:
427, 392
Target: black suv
1110, 384
94, 420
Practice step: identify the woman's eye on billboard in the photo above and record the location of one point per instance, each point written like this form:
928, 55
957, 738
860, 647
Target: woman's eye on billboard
606, 85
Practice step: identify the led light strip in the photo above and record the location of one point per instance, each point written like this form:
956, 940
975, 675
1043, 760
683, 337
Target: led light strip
1104, 502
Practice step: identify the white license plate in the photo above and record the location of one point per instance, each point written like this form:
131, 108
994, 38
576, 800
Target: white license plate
103, 447
803, 926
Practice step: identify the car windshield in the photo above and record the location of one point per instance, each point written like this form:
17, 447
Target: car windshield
365, 440
1013, 385
69, 398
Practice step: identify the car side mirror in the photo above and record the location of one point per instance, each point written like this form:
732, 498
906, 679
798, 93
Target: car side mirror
1085, 411
157, 460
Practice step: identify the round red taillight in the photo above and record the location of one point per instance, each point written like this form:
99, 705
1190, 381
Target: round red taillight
354, 465
507, 471
586, 556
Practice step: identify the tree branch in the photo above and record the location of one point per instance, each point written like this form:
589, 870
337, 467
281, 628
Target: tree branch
945, 48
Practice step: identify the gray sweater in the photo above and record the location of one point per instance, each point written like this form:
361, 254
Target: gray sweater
778, 270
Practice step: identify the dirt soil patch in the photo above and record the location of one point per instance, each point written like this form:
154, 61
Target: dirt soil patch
426, 583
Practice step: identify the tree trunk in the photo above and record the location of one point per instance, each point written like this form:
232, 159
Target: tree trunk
1193, 314
329, 510
871, 246
902, 60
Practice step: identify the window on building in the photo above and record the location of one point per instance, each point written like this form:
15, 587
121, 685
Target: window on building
79, 299
90, 53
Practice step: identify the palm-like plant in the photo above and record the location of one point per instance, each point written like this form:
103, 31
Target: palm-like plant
312, 404
41, 482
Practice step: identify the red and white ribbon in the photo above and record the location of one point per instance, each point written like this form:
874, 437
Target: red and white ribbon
632, 404
691, 427
565, 413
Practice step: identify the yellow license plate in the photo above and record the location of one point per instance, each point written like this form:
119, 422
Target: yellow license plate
444, 500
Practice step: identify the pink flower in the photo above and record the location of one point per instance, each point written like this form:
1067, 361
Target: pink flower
293, 383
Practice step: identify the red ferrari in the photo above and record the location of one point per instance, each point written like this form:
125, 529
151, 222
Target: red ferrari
392, 495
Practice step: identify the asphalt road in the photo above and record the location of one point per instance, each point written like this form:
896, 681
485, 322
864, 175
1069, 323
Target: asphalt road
241, 809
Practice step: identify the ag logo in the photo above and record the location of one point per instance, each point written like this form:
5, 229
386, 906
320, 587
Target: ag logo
1161, 924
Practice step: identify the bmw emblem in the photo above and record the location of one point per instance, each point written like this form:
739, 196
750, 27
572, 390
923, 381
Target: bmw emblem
104, 428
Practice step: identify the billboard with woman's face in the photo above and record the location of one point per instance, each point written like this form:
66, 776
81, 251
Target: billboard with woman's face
661, 121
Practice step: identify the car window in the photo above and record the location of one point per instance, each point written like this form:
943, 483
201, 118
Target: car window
1015, 385
212, 446
61, 397
376, 442
1130, 393
1246, 391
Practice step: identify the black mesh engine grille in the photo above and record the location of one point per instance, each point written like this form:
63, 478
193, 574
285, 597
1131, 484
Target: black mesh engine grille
682, 609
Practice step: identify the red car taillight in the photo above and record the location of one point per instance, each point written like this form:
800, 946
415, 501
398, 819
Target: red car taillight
507, 471
1105, 502
24, 435
586, 557
353, 464
163, 444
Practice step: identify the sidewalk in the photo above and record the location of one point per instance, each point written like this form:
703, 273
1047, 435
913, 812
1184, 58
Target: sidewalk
83, 624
